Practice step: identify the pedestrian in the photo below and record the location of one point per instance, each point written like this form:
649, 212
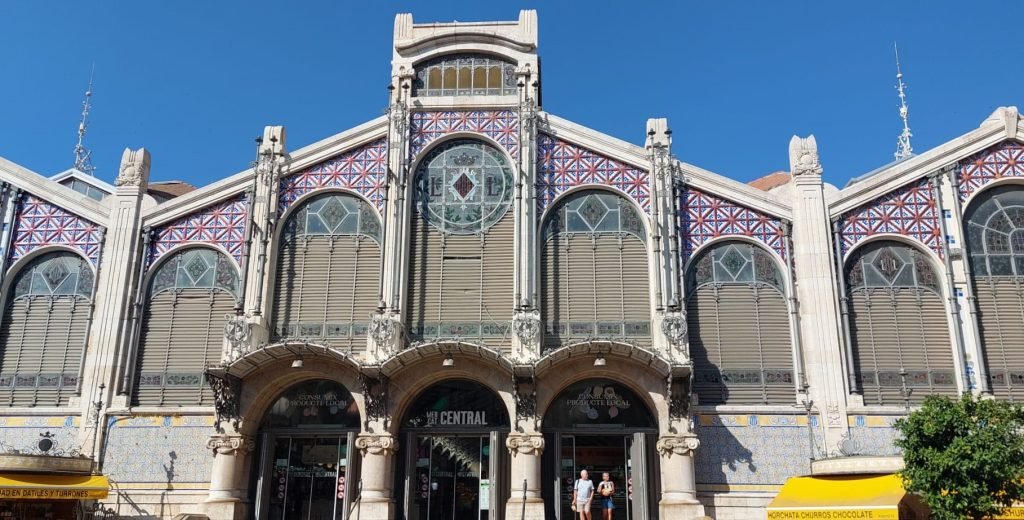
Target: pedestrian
582, 495
607, 491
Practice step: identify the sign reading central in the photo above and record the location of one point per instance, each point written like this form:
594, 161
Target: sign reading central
464, 187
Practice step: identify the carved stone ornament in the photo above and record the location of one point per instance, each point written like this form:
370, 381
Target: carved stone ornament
376, 444
674, 328
803, 156
382, 329
237, 330
683, 445
134, 167
834, 419
526, 325
230, 444
524, 444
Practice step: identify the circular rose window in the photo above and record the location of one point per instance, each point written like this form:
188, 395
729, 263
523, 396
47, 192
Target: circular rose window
463, 187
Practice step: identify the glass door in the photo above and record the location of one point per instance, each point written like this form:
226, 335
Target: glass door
452, 478
307, 478
597, 455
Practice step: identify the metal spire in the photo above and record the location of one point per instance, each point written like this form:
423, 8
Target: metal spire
83, 163
903, 149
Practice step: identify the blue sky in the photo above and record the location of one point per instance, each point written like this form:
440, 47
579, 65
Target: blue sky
195, 82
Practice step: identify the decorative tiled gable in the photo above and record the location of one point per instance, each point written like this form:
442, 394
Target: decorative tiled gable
363, 170
909, 211
222, 224
39, 223
705, 217
500, 125
1005, 159
562, 165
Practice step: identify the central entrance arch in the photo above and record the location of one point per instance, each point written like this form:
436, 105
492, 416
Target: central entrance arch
601, 425
455, 464
307, 467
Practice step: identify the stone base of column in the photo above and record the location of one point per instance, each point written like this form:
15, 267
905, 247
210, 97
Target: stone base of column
375, 509
534, 509
681, 509
226, 510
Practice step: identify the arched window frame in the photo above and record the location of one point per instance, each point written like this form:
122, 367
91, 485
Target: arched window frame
494, 159
333, 213
712, 266
575, 214
995, 233
465, 74
180, 271
891, 265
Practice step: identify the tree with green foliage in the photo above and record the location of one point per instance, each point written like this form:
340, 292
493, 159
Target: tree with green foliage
964, 457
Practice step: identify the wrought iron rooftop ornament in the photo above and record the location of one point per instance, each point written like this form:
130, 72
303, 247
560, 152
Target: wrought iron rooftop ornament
903, 148
83, 161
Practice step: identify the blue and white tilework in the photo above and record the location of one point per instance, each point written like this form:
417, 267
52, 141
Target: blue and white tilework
161, 448
874, 435
752, 449
23, 433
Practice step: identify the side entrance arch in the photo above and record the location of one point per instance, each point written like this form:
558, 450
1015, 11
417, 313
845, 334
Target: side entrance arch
306, 465
601, 425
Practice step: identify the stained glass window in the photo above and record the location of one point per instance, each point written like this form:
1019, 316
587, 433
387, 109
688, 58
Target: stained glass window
735, 262
594, 212
465, 75
196, 268
333, 214
890, 265
995, 234
55, 274
464, 187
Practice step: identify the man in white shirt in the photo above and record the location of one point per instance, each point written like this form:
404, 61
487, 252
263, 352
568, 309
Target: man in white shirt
582, 495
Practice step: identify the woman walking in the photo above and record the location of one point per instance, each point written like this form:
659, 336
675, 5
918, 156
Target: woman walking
607, 491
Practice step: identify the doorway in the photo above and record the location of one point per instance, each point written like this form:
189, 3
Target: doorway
453, 477
623, 457
305, 470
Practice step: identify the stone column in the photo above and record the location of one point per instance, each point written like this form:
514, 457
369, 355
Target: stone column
678, 482
230, 456
525, 450
817, 291
110, 333
378, 452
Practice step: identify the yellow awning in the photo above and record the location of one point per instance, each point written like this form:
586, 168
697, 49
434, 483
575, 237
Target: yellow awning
840, 497
1011, 513
22, 486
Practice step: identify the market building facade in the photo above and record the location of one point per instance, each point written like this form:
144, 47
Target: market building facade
448, 311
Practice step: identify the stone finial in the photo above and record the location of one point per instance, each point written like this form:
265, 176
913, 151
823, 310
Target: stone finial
134, 170
403, 26
528, 25
273, 139
658, 134
803, 156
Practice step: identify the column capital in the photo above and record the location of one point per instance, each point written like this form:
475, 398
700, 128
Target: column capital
684, 445
230, 444
375, 444
525, 444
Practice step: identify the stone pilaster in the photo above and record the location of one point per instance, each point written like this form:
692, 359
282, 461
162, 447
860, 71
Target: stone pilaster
817, 292
110, 332
231, 454
525, 450
664, 252
678, 482
378, 453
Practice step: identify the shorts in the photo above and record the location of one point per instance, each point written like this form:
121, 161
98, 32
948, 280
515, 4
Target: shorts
607, 503
583, 507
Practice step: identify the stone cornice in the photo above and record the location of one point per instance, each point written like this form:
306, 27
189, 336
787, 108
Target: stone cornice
56, 193
991, 131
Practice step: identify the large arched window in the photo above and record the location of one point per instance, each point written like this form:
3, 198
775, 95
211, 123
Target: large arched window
594, 273
44, 330
190, 295
461, 249
995, 242
898, 324
739, 327
328, 271
465, 75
